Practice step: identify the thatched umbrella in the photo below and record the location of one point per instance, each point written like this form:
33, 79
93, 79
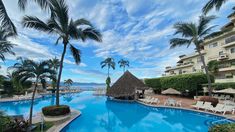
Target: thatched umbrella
226, 91
171, 91
126, 86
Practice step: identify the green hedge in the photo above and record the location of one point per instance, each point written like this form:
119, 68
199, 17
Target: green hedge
56, 110
219, 86
190, 82
223, 128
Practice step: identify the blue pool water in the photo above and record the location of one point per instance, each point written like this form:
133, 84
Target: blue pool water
102, 115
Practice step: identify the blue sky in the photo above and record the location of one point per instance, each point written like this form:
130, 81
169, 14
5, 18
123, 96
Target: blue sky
136, 30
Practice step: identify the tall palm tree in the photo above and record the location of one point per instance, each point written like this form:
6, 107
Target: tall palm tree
123, 63
66, 29
217, 4
192, 33
5, 45
37, 71
108, 62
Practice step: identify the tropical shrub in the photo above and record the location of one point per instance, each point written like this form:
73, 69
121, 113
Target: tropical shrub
223, 128
56, 110
8, 124
184, 82
214, 101
219, 86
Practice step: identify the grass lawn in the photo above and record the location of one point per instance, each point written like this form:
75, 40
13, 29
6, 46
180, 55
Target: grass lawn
47, 125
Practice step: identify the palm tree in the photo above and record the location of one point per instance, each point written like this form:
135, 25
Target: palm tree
68, 83
123, 63
37, 71
55, 64
194, 34
109, 62
213, 3
66, 29
5, 45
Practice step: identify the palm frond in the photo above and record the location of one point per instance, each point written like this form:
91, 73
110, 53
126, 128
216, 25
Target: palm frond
36, 23
76, 54
213, 3
5, 19
203, 23
93, 34
44, 4
82, 21
179, 42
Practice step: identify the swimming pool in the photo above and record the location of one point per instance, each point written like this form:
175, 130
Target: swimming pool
102, 115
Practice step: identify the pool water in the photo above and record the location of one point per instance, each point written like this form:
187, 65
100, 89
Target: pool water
102, 115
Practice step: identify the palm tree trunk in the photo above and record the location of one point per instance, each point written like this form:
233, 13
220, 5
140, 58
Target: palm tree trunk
108, 71
206, 70
32, 102
124, 69
59, 75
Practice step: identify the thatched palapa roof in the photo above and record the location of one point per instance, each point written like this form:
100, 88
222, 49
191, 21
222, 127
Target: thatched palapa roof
126, 86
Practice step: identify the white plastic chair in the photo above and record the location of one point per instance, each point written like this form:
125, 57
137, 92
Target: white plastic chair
198, 105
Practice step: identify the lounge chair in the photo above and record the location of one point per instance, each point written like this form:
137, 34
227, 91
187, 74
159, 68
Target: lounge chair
227, 97
228, 108
219, 107
178, 103
198, 105
149, 100
145, 99
155, 101
170, 102
206, 106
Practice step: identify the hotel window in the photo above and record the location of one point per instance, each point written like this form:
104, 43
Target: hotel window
230, 39
221, 53
232, 50
213, 45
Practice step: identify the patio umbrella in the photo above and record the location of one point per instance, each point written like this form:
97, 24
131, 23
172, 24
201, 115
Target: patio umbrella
171, 91
226, 91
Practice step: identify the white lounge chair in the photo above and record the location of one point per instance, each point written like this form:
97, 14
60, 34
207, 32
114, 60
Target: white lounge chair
206, 106
155, 101
228, 108
227, 97
219, 107
179, 103
145, 99
170, 102
198, 105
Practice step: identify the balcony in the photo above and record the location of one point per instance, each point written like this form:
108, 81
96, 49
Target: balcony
224, 45
228, 68
182, 65
225, 80
223, 56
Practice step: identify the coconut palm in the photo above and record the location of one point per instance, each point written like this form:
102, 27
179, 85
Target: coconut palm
213, 4
192, 33
213, 66
34, 70
108, 62
66, 29
68, 83
123, 63
5, 45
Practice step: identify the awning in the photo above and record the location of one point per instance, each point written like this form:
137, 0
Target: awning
171, 91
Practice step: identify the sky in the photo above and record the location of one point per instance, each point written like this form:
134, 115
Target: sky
136, 30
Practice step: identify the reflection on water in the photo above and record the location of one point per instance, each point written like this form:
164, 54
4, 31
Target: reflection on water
102, 115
